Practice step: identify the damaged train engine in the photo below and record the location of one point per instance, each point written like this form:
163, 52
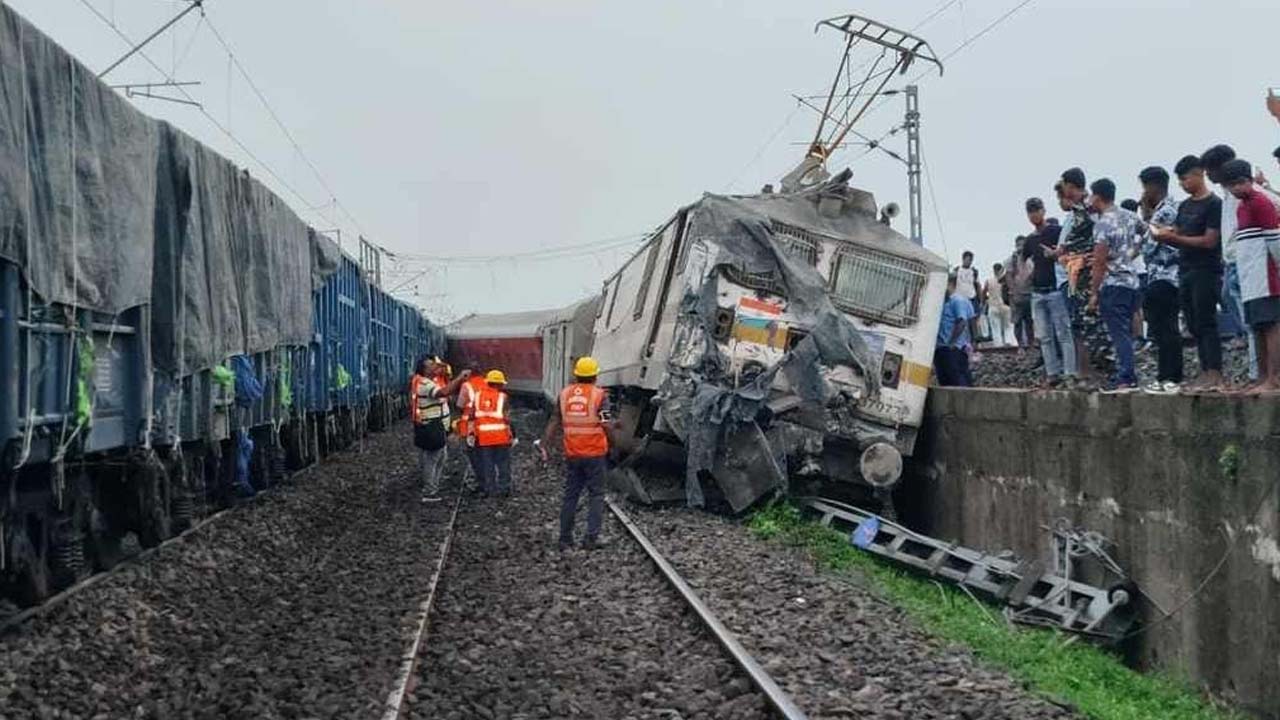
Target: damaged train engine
767, 341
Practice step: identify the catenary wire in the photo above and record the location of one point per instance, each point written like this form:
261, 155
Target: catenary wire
253, 86
208, 116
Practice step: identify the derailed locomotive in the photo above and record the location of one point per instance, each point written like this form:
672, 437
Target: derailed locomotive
776, 337
172, 336
755, 342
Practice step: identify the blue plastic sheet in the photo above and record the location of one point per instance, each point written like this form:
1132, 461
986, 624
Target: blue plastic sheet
244, 456
248, 387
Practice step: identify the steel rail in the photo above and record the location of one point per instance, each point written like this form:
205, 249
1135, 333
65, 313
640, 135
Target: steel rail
13, 622
776, 696
409, 661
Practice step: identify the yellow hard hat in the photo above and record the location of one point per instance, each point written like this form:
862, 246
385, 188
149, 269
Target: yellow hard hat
495, 377
586, 367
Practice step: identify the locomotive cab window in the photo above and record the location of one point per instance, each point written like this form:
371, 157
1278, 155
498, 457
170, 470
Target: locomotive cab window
878, 286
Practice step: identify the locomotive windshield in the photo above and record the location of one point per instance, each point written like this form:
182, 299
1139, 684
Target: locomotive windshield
878, 286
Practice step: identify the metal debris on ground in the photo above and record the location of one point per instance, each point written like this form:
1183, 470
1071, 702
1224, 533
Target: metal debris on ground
1033, 594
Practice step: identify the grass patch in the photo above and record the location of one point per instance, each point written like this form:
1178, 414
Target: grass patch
1097, 683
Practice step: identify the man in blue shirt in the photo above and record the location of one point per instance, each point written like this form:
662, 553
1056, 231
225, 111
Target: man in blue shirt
951, 357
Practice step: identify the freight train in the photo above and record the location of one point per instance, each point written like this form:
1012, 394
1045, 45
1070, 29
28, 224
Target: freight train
769, 338
172, 337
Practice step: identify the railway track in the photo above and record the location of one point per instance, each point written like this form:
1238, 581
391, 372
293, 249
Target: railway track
784, 706
615, 632
777, 698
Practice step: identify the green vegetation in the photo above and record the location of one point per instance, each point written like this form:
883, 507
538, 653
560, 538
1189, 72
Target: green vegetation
1229, 462
1096, 683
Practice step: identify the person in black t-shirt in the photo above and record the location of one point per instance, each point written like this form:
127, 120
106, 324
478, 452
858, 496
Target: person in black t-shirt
1195, 232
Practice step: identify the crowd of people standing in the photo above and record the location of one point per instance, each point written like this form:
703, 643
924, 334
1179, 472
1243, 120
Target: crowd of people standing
1084, 287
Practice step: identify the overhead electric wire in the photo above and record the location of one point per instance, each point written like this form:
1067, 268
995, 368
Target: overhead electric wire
955, 51
244, 72
761, 151
933, 201
597, 246
208, 116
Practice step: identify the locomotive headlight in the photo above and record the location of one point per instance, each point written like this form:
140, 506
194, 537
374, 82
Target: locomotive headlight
890, 370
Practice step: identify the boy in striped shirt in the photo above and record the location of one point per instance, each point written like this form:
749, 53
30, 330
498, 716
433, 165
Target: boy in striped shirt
1257, 242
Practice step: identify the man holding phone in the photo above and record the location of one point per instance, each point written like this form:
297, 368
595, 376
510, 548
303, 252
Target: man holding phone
1195, 232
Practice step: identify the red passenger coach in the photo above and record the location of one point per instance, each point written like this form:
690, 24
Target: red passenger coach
535, 349
511, 342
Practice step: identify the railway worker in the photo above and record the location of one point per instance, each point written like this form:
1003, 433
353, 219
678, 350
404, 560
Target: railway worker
491, 435
441, 372
582, 413
467, 394
430, 414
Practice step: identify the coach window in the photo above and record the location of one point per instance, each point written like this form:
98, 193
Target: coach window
617, 285
649, 264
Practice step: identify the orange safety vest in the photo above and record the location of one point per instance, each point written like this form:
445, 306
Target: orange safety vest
466, 398
423, 405
584, 436
489, 413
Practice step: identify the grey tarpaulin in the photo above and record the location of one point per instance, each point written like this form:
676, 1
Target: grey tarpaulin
325, 258
700, 400
77, 176
106, 209
235, 268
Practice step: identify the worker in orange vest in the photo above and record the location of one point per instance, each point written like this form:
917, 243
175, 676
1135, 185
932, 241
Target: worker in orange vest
429, 410
467, 394
490, 428
582, 414
441, 373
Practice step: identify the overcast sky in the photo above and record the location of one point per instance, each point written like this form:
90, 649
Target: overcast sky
496, 128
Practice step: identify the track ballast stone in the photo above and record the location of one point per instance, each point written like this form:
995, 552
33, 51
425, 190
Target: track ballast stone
838, 649
521, 632
299, 605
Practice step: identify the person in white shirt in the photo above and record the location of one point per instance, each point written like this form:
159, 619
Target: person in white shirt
999, 315
969, 287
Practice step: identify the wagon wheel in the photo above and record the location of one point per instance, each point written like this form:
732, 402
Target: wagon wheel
32, 584
105, 543
154, 497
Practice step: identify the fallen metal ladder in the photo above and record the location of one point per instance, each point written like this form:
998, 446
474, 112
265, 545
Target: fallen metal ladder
1034, 595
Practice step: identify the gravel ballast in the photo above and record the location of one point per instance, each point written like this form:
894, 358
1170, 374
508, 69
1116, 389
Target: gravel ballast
1022, 368
299, 605
522, 631
836, 647
302, 604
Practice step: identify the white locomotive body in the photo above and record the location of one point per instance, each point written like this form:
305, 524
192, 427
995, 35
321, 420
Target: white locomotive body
648, 333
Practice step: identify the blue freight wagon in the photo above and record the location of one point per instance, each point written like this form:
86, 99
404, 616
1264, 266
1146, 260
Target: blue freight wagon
172, 336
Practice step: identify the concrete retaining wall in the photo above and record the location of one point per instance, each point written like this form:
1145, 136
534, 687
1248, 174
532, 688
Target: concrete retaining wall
1154, 474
